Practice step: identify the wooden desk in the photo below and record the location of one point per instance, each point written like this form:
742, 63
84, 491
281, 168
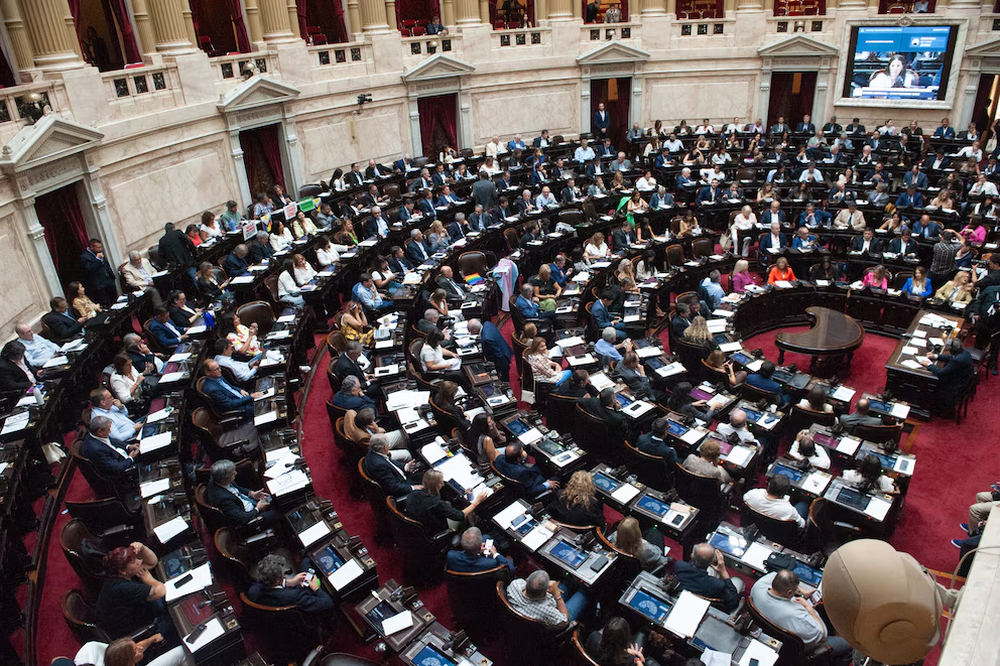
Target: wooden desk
916, 385
832, 334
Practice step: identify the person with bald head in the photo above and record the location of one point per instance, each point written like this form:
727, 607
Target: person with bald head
694, 577
738, 425
37, 350
860, 417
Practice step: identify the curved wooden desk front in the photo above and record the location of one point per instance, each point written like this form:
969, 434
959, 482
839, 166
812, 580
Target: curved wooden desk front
833, 333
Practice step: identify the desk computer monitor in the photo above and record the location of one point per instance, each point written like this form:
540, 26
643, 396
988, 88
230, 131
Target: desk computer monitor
793, 475
605, 482
568, 555
653, 505
807, 574
379, 614
622, 400
853, 498
430, 656
518, 427
714, 634
328, 560
651, 606
733, 544
676, 429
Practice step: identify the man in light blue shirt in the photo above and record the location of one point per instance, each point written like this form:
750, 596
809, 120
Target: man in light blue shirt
123, 428
368, 294
545, 198
243, 372
584, 153
37, 350
714, 293
606, 348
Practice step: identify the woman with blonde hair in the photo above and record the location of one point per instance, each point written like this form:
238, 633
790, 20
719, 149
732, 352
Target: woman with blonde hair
647, 548
577, 504
597, 247
437, 237
956, 290
354, 324
698, 334
717, 361
742, 277
544, 369
425, 505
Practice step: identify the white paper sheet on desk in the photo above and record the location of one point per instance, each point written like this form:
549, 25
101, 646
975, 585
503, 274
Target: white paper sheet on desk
911, 364
505, 517
171, 377
571, 291
900, 411
26, 400
536, 538
572, 341
460, 470
16, 422
584, 359
693, 436
740, 455
822, 283
600, 264
719, 312
151, 488
281, 466
904, 460
816, 482
269, 393
408, 398
581, 277
277, 454
343, 576
157, 441
844, 393
266, 417
433, 452
195, 330
56, 361
530, 436
909, 350
764, 655
848, 445
385, 370
73, 345
686, 614
648, 352
279, 335
756, 554
631, 319
398, 622
717, 401
286, 319
878, 508
170, 529
625, 493
601, 381
201, 578
717, 325
313, 533
287, 483
566, 309
213, 629
177, 358
258, 268
675, 368
713, 658
920, 333
783, 284
730, 347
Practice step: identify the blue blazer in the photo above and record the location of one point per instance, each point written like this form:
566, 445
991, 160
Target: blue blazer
905, 201
706, 194
932, 230
164, 336
601, 314
495, 347
234, 265
223, 399
602, 123
765, 243
392, 481
765, 384
414, 256
658, 448
105, 460
349, 401
426, 207
529, 477
821, 217
527, 306
697, 581
455, 231
462, 562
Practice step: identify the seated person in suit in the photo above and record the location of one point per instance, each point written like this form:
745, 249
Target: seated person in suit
578, 386
224, 396
860, 417
350, 395
654, 442
681, 319
425, 505
577, 504
954, 377
540, 598
774, 240
527, 303
762, 380
167, 334
473, 557
904, 245
919, 285
38, 350
143, 359
707, 463
15, 372
496, 350
110, 460
773, 501
130, 597
805, 241
693, 576
359, 426
271, 588
632, 372
604, 318
680, 401
244, 372
181, 315
512, 465
237, 504
866, 243
607, 408
383, 470
347, 365
123, 429
63, 325
779, 599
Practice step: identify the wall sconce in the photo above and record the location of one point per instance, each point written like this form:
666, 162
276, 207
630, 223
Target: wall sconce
33, 106
432, 46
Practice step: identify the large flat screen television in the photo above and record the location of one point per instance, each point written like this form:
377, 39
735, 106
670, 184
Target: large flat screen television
900, 63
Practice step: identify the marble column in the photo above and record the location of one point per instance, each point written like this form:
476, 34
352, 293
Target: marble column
672, 7
390, 14
20, 44
484, 11
750, 5
53, 41
293, 18
729, 6
168, 26
541, 11
189, 21
416, 144
447, 12
577, 9
373, 18
274, 21
654, 7
354, 18
467, 12
561, 10
253, 21
143, 27
236, 150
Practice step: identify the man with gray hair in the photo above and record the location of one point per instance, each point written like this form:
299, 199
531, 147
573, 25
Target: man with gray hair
473, 557
235, 263
37, 350
259, 249
712, 291
349, 363
416, 250
387, 473
540, 598
350, 395
458, 228
238, 504
109, 459
429, 322
608, 350
273, 589
138, 275
143, 359
494, 345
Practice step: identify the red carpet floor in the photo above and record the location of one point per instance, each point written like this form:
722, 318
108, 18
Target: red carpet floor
939, 495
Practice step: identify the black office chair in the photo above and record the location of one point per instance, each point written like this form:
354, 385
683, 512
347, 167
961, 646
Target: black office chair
537, 643
826, 534
651, 470
472, 601
423, 553
377, 499
284, 630
702, 492
785, 532
559, 411
594, 436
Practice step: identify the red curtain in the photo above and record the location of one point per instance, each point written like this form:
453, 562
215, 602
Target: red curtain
338, 23
438, 116
262, 158
74, 10
120, 12
272, 151
65, 229
303, 11
417, 9
236, 14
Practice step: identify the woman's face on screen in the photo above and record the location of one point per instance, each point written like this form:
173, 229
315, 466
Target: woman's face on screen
895, 68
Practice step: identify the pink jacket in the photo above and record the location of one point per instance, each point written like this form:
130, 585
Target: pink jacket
741, 280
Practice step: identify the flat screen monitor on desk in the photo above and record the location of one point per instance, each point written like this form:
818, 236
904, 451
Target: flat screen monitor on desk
651, 606
807, 574
328, 560
605, 482
853, 498
793, 475
568, 555
742, 358
676, 429
379, 614
653, 505
518, 427
733, 544
430, 656
879, 406
622, 400
714, 634
549, 446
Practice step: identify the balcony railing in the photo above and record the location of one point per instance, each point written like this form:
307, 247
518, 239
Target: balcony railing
136, 82
606, 32
333, 55
431, 44
233, 67
12, 112
515, 37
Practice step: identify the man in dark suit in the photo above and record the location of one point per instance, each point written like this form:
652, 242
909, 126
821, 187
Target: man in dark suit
654, 443
237, 504
403, 164
273, 589
571, 193
861, 416
111, 461
259, 249
472, 557
376, 170
347, 366
511, 464
428, 182
495, 347
855, 127
915, 177
16, 374
383, 470
833, 127
542, 141
954, 377
176, 249
446, 280
774, 240
606, 408
501, 211
235, 262
63, 325
224, 396
763, 381
945, 131
426, 205
350, 395
524, 203
806, 126
681, 319
484, 192
780, 127
904, 245
480, 220
98, 276
693, 576
458, 228
866, 243
601, 122
354, 178
927, 228
167, 335
417, 250
578, 386
773, 214
910, 198
623, 237
398, 263
710, 193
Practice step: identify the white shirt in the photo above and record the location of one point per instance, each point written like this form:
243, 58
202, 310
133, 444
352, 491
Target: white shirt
704, 129
211, 232
780, 509
93, 653
808, 175
121, 385
674, 146
304, 274
331, 256
820, 459
597, 251
743, 223
746, 437
987, 188
584, 154
494, 149
279, 243
241, 370
286, 285
968, 152
644, 185
853, 477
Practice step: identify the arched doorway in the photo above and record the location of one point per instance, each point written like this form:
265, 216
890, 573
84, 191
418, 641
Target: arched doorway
220, 27
61, 216
438, 123
104, 28
262, 156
